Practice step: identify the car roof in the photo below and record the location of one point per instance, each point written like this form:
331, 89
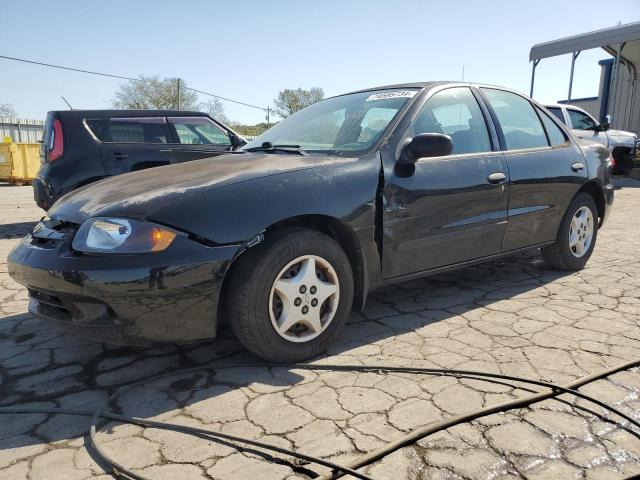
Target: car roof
128, 113
432, 84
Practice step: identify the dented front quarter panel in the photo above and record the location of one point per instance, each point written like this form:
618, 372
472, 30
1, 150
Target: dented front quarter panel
337, 187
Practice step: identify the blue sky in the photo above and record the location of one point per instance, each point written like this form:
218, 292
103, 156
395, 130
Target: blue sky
250, 50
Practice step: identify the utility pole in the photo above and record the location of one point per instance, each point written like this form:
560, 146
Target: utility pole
178, 94
268, 117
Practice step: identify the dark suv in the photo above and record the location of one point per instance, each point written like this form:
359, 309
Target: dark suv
82, 146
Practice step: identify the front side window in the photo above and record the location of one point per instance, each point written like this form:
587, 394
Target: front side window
581, 121
455, 112
199, 131
557, 112
555, 134
340, 125
521, 126
129, 130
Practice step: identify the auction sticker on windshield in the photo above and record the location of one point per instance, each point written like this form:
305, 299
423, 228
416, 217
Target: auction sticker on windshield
396, 94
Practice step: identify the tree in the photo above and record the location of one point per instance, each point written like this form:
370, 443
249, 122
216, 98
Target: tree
6, 110
215, 108
153, 92
290, 101
255, 130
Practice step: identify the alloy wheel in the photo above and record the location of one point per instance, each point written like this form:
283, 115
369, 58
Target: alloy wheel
581, 231
304, 298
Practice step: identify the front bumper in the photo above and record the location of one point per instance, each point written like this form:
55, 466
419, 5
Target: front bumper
126, 299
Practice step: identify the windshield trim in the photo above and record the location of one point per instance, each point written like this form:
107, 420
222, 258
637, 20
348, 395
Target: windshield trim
391, 126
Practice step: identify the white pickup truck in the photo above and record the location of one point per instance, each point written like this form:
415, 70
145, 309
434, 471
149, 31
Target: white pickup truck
622, 145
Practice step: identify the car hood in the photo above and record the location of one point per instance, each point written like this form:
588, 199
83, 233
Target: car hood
621, 134
140, 194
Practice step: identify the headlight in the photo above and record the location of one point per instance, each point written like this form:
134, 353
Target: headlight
121, 235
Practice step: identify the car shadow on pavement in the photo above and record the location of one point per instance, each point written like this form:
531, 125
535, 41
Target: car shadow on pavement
42, 364
16, 230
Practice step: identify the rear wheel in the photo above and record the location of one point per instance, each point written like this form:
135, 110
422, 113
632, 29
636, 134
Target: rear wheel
576, 236
290, 296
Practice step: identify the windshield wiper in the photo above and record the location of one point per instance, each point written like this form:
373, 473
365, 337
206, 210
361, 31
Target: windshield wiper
269, 147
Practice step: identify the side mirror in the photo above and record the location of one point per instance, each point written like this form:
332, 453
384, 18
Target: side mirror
605, 124
237, 141
603, 127
426, 145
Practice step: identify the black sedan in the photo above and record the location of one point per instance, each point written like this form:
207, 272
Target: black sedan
284, 238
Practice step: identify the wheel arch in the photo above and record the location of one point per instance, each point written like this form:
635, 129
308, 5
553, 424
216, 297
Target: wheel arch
330, 226
593, 188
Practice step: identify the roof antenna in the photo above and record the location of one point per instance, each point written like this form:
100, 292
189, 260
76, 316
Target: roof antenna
65, 101
462, 72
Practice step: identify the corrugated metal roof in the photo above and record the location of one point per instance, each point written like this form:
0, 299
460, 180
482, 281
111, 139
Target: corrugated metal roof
599, 38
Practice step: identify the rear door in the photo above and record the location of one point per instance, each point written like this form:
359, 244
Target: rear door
451, 209
583, 126
131, 143
546, 168
196, 137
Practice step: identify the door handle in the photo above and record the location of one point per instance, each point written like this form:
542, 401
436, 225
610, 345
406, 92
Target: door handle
576, 167
496, 177
120, 156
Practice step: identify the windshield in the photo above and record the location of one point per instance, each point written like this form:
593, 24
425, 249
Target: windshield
344, 124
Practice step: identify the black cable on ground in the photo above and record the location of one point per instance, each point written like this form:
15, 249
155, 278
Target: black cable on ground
338, 470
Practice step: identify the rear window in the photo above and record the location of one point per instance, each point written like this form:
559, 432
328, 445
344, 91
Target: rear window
555, 134
47, 137
129, 130
520, 124
557, 113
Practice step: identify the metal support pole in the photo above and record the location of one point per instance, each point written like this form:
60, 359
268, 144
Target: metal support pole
533, 75
178, 94
616, 72
268, 117
633, 94
574, 55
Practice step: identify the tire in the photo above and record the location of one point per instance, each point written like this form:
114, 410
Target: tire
623, 164
255, 308
561, 254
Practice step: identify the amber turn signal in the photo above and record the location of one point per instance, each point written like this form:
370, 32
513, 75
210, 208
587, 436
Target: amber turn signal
161, 239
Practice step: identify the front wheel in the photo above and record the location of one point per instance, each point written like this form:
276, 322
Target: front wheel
576, 236
290, 296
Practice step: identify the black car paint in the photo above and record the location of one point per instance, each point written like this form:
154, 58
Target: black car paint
403, 221
86, 159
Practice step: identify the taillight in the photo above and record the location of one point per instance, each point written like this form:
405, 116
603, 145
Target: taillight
612, 161
56, 142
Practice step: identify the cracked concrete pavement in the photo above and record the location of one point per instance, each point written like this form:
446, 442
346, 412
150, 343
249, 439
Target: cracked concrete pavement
513, 316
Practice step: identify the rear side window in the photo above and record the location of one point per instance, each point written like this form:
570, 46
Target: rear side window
199, 131
581, 121
555, 134
521, 126
455, 112
557, 113
129, 130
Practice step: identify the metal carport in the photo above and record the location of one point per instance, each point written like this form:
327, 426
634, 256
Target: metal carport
620, 99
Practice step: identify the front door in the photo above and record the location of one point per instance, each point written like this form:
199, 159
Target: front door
448, 209
194, 138
583, 126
